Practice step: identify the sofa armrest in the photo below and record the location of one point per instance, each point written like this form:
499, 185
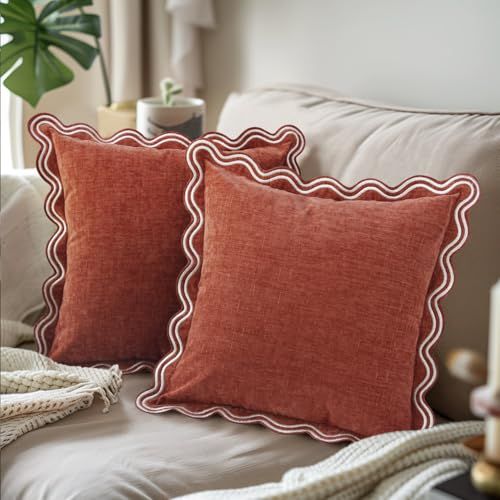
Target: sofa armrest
24, 232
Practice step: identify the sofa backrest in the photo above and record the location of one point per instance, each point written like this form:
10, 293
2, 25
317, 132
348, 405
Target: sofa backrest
352, 140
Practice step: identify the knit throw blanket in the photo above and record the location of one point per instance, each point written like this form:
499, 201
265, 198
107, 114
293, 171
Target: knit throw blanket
394, 466
36, 391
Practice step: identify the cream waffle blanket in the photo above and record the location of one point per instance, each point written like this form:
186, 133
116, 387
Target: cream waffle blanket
393, 466
36, 391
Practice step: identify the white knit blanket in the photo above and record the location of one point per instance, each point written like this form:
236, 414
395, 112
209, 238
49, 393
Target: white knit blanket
394, 466
36, 391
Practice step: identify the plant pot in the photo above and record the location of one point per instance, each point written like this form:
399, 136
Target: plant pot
111, 119
186, 116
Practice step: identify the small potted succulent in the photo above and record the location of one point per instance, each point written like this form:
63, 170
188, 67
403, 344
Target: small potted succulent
170, 112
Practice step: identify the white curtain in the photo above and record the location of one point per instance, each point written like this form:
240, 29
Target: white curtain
188, 17
138, 47
145, 45
11, 119
11, 131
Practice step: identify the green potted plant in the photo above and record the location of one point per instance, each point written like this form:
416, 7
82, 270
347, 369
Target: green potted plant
27, 62
170, 112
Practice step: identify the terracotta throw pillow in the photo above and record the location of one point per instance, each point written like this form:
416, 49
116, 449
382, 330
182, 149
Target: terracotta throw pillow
116, 253
310, 307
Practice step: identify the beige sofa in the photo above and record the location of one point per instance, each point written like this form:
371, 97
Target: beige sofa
129, 454
352, 140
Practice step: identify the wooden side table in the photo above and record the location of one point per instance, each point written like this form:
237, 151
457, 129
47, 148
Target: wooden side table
459, 487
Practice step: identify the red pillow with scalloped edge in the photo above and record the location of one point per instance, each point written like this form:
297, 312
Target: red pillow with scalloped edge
310, 306
118, 207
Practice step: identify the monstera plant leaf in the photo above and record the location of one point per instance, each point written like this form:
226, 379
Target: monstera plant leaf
39, 70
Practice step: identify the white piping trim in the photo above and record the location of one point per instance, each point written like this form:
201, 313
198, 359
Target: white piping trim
250, 134
56, 192
145, 400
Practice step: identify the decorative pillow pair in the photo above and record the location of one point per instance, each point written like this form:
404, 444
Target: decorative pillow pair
305, 306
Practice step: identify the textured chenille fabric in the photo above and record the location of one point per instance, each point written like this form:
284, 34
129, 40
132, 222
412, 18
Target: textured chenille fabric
119, 210
310, 309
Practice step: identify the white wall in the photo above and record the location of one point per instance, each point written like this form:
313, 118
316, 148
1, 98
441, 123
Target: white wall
423, 53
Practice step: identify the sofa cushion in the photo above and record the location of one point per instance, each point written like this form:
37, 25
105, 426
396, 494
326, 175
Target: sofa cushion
127, 454
352, 140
